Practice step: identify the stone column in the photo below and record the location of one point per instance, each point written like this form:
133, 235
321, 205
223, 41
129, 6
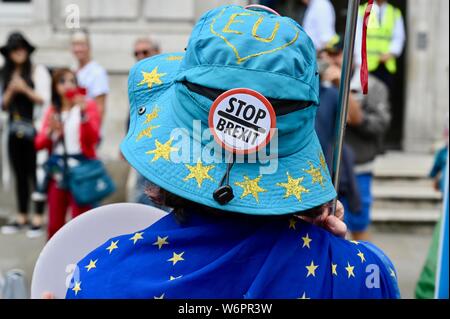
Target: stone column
427, 74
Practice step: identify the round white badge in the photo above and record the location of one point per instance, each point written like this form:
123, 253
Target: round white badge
242, 120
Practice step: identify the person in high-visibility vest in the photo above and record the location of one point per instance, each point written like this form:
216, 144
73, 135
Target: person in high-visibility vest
385, 39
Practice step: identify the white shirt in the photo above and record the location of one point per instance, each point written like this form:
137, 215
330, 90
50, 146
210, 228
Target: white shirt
72, 122
42, 85
398, 36
94, 78
319, 22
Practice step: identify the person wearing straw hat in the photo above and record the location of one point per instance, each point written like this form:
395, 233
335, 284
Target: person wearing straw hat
247, 190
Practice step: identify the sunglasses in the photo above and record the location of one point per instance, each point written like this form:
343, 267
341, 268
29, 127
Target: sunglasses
142, 52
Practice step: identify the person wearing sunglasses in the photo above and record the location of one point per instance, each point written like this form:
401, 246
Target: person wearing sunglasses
145, 47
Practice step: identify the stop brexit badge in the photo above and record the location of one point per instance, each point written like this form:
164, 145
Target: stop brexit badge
242, 120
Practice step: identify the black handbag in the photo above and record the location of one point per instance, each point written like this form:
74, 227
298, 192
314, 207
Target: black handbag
22, 129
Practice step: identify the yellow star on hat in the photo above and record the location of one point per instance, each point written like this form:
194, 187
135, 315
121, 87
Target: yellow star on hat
162, 150
151, 78
199, 172
293, 187
174, 58
251, 186
147, 132
323, 163
152, 115
316, 174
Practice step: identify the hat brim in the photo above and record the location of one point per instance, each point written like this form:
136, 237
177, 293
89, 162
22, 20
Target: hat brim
5, 50
289, 189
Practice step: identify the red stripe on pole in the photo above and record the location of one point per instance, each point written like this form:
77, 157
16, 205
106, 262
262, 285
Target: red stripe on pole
364, 73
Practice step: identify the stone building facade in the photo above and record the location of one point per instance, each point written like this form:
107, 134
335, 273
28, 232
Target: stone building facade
114, 25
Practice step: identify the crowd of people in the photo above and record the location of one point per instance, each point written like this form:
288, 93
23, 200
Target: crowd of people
54, 121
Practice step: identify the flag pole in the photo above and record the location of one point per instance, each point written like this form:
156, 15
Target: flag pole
441, 282
344, 90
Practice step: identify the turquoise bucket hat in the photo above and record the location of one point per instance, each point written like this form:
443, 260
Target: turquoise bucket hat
172, 96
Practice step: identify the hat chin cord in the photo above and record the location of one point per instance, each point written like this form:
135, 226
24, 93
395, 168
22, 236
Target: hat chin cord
224, 193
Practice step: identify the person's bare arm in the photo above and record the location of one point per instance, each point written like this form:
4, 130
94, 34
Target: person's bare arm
101, 104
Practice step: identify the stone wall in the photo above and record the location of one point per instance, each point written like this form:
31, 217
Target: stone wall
115, 24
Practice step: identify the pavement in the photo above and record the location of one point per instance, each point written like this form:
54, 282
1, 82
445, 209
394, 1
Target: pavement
407, 246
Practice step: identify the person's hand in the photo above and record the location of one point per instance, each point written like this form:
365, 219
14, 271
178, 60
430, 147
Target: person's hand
55, 126
80, 100
385, 57
48, 295
333, 223
437, 183
332, 74
13, 84
18, 84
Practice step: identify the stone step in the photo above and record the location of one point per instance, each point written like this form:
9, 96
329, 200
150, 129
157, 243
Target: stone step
405, 204
423, 182
405, 215
396, 164
406, 192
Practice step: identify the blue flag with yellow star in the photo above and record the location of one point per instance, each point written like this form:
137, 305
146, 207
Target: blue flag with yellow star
233, 257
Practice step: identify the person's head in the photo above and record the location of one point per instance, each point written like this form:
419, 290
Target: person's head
333, 51
17, 52
145, 47
380, 2
80, 44
305, 2
63, 80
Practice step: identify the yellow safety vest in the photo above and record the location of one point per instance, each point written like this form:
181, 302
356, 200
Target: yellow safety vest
379, 37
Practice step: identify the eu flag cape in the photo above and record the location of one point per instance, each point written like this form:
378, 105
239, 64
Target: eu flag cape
233, 257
